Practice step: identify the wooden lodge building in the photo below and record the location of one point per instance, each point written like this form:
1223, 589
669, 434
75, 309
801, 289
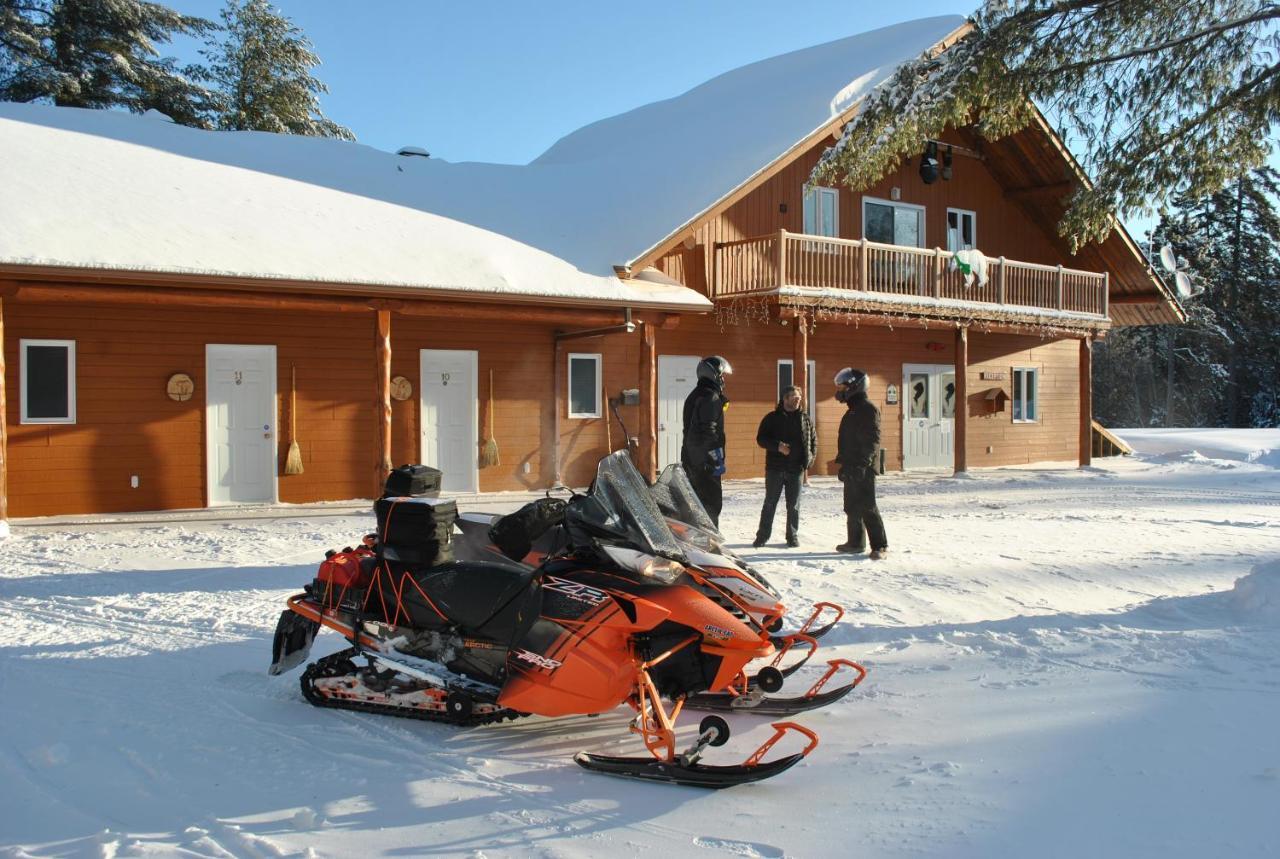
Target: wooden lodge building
178, 306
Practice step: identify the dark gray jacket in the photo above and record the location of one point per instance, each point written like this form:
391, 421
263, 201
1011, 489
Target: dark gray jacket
796, 429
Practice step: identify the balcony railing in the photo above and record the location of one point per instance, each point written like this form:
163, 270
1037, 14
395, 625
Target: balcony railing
767, 263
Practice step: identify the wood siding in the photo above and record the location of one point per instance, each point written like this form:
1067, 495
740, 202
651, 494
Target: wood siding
126, 425
1002, 225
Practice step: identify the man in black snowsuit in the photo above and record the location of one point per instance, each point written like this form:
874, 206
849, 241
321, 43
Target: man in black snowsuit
859, 447
702, 452
790, 444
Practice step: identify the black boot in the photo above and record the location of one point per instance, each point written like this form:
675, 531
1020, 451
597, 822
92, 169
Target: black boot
854, 545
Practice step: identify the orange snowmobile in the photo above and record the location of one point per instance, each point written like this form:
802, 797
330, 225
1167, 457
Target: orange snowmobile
537, 531
611, 618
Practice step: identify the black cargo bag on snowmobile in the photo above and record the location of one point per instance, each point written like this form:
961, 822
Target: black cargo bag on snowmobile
515, 533
413, 480
416, 530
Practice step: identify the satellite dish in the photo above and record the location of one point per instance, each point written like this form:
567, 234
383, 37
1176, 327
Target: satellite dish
1183, 282
1167, 259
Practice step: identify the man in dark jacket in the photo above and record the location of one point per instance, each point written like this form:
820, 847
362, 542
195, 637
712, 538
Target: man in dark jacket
859, 447
702, 452
787, 435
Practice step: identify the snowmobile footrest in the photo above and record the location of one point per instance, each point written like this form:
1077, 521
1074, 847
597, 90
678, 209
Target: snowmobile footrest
692, 775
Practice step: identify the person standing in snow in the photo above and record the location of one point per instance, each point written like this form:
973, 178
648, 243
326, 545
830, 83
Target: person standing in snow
859, 446
790, 444
702, 452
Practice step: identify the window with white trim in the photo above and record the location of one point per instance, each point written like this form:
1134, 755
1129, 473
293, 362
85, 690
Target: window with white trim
892, 223
821, 211
786, 378
1025, 410
48, 374
962, 230
584, 385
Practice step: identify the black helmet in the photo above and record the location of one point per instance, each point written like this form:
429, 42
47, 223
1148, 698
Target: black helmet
849, 382
714, 368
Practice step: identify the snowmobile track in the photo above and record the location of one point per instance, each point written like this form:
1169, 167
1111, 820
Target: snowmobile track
325, 666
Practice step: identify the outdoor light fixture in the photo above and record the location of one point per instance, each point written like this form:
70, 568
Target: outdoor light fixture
929, 163
946, 163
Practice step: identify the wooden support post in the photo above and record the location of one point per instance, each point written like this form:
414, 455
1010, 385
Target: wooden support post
937, 272
1000, 294
961, 433
555, 411
1086, 401
800, 356
782, 258
4, 436
649, 401
1106, 291
863, 266
382, 405
1059, 304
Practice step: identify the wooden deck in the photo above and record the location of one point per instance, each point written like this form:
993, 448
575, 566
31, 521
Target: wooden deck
766, 264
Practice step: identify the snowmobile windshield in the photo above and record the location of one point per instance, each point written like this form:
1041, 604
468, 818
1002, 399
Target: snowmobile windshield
624, 498
675, 497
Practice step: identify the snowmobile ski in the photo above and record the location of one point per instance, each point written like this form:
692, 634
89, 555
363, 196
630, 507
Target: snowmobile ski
755, 699
808, 629
685, 770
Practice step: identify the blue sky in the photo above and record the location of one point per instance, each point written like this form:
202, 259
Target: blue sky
503, 81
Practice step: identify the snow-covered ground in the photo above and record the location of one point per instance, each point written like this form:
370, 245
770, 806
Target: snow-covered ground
1063, 662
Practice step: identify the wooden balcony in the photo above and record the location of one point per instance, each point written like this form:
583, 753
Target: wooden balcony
768, 264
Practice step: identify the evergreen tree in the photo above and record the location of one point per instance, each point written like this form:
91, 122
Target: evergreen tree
262, 68
99, 54
1223, 367
1159, 97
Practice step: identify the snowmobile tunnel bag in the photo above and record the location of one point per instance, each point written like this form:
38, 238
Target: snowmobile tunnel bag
416, 530
413, 480
493, 600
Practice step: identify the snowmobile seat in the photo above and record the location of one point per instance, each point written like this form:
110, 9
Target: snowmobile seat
494, 599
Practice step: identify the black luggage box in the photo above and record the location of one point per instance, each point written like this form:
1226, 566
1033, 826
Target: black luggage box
416, 530
414, 480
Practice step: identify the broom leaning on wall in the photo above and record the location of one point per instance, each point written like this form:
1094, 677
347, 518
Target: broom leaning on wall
489, 447
293, 462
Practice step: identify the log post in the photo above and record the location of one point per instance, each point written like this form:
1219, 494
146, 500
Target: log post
960, 435
1086, 401
556, 411
649, 401
4, 437
800, 356
800, 361
382, 405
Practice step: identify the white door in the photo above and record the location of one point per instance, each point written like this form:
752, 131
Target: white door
677, 377
450, 417
240, 423
928, 415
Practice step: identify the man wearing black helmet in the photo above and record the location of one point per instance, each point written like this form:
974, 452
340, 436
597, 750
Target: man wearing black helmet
702, 453
859, 445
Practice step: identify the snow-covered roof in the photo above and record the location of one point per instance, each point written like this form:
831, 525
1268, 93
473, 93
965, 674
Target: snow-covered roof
110, 190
